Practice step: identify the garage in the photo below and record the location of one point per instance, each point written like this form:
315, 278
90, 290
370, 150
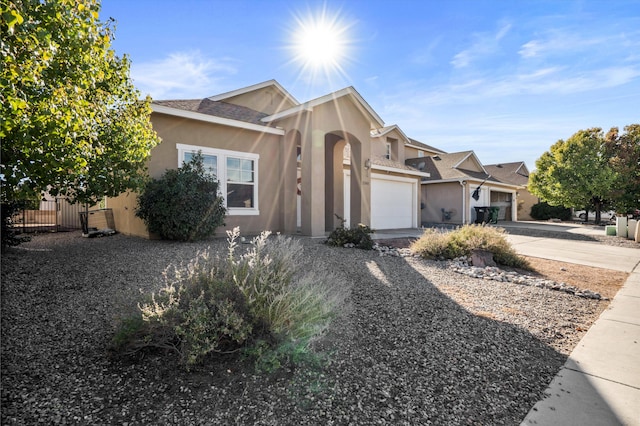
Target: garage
392, 203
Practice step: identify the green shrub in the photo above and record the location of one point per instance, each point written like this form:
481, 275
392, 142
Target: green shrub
8, 234
237, 302
360, 236
183, 204
434, 244
544, 211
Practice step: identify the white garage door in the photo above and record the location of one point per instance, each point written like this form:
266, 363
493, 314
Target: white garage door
393, 202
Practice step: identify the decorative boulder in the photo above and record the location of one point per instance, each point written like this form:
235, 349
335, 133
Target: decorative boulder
482, 258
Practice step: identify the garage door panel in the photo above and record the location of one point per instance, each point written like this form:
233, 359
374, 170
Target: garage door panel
391, 204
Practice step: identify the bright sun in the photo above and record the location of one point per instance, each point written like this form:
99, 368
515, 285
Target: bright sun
320, 43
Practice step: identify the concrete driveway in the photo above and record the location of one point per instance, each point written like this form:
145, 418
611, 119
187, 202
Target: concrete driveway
580, 252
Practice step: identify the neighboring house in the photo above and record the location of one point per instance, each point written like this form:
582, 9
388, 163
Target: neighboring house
288, 166
516, 174
458, 183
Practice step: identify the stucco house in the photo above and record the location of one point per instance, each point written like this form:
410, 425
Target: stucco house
516, 174
457, 184
288, 166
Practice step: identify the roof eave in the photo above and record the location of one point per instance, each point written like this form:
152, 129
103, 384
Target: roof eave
161, 109
404, 171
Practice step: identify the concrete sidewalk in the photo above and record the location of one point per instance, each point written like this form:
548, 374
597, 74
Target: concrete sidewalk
599, 385
600, 382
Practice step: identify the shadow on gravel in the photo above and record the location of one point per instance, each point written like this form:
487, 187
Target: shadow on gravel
550, 234
401, 352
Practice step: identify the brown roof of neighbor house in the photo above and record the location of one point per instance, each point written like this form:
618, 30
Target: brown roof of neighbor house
216, 108
425, 146
442, 167
513, 173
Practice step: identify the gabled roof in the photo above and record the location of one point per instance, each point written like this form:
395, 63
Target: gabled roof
513, 173
446, 167
309, 105
378, 133
218, 109
255, 87
420, 145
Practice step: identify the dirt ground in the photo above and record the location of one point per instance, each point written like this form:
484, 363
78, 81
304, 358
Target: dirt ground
604, 281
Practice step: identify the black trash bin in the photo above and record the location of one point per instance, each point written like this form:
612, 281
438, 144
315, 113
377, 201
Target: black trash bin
482, 214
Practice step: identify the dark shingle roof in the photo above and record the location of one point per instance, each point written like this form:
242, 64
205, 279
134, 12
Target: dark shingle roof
513, 173
216, 108
441, 167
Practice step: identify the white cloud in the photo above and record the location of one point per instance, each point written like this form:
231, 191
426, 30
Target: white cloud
181, 75
484, 44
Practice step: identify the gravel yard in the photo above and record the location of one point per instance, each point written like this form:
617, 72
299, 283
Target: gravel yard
414, 344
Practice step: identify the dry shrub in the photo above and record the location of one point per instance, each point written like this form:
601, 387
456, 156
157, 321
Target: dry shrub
436, 244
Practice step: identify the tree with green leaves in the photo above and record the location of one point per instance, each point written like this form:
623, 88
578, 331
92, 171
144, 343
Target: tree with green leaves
72, 122
623, 151
575, 172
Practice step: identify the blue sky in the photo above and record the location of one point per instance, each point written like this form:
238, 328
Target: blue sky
504, 78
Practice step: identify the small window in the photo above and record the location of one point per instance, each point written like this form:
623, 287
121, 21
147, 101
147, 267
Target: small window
388, 151
420, 154
240, 183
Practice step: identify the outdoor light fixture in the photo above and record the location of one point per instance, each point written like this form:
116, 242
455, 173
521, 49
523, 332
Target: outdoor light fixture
367, 163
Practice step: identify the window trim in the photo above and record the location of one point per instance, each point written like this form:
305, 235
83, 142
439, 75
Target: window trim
387, 154
222, 155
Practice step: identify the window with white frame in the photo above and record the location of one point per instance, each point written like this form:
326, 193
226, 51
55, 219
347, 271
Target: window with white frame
387, 154
420, 154
236, 172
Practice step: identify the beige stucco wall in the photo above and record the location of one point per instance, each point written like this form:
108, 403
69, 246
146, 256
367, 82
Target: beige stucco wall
268, 100
525, 201
411, 152
174, 130
379, 146
469, 164
438, 196
320, 131
124, 207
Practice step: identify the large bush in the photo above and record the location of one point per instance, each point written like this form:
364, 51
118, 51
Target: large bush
436, 244
257, 300
183, 204
545, 211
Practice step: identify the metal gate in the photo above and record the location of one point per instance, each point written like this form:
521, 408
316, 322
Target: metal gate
49, 216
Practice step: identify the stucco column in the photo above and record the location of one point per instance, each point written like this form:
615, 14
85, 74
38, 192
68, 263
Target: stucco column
360, 184
313, 194
288, 191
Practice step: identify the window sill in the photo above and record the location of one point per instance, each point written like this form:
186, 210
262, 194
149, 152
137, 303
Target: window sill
242, 212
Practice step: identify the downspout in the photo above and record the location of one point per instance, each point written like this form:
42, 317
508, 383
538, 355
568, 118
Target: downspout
463, 184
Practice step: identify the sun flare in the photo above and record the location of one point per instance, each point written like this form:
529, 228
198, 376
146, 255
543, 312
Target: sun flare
320, 43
